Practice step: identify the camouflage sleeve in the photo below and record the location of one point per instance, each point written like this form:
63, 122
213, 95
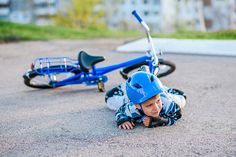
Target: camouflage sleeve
121, 115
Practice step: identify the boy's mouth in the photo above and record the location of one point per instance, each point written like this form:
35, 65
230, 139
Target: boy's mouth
156, 113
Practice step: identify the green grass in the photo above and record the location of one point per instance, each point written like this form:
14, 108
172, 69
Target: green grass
18, 32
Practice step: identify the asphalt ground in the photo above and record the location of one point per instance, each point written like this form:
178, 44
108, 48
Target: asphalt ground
74, 120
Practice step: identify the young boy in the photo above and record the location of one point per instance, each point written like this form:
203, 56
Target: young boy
143, 99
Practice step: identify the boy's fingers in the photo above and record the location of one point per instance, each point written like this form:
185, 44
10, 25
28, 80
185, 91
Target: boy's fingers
145, 123
127, 125
122, 126
130, 125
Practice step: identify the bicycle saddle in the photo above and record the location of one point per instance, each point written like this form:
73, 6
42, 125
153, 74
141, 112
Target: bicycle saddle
86, 61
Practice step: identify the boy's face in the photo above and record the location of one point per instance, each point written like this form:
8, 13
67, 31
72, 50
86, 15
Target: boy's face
152, 107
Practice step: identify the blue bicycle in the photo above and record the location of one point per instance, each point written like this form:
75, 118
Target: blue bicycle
60, 71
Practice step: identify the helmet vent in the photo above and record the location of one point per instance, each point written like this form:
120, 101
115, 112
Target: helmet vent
136, 85
151, 78
129, 79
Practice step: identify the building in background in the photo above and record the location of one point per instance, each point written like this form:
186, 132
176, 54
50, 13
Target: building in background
28, 11
173, 15
161, 15
219, 14
43, 10
206, 15
157, 13
4, 9
21, 11
190, 15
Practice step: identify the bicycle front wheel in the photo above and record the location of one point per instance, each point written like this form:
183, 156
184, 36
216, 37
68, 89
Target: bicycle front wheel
165, 68
44, 81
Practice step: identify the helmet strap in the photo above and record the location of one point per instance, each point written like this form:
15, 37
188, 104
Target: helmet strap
142, 109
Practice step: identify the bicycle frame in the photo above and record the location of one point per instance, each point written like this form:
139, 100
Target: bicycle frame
97, 74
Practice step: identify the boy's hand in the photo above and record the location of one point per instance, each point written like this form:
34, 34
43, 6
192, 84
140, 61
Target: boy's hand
146, 121
127, 125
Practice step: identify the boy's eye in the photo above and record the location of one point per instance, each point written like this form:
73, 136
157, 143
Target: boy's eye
149, 105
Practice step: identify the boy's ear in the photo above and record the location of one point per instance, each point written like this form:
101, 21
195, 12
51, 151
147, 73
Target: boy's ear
137, 106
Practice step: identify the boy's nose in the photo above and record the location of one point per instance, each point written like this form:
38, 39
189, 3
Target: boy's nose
156, 108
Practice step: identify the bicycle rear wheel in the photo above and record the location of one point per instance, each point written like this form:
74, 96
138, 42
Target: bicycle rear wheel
165, 68
44, 81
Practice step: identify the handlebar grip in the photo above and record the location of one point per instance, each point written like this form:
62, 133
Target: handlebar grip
137, 16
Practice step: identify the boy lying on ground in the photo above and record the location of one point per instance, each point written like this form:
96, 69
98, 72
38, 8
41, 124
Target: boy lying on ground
143, 99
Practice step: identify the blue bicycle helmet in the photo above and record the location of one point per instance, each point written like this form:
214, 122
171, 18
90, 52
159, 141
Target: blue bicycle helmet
141, 86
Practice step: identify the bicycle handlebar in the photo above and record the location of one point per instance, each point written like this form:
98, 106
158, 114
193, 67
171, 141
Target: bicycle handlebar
147, 29
137, 16
140, 20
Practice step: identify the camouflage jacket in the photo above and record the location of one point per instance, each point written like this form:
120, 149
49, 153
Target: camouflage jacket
169, 114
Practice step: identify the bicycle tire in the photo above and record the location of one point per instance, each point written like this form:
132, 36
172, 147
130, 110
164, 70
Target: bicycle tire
32, 74
125, 72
